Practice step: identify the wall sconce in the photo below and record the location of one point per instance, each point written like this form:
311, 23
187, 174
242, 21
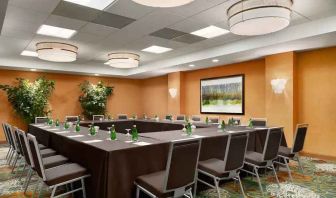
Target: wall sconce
173, 92
278, 85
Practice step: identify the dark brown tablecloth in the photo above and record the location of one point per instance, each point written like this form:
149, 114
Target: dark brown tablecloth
114, 165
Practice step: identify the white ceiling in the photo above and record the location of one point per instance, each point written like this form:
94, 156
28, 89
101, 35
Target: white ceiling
313, 25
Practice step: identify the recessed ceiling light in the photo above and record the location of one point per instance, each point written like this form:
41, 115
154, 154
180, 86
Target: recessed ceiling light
163, 3
96, 4
49, 30
215, 60
96, 74
210, 32
156, 49
191, 65
32, 69
28, 53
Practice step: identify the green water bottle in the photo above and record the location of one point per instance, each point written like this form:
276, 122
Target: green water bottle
66, 125
223, 125
57, 123
92, 130
50, 121
250, 124
206, 120
113, 133
135, 135
189, 129
77, 127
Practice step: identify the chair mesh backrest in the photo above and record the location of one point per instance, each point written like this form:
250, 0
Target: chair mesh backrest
9, 135
235, 152
72, 118
180, 117
196, 118
122, 117
36, 155
26, 151
98, 117
300, 136
182, 164
214, 119
14, 140
272, 143
39, 120
17, 139
8, 139
259, 122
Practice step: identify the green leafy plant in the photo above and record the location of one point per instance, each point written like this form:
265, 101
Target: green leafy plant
30, 99
94, 98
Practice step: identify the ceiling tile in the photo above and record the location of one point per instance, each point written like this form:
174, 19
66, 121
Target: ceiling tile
189, 38
130, 9
97, 29
36, 5
64, 22
113, 20
87, 38
167, 33
75, 11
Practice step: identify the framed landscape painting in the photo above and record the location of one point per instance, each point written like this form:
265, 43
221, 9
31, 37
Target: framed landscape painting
223, 95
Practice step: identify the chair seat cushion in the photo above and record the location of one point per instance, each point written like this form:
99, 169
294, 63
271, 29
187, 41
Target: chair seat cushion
255, 158
286, 152
153, 183
214, 167
53, 161
41, 146
64, 173
47, 152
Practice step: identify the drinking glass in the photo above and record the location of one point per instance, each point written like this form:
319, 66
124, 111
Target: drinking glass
128, 130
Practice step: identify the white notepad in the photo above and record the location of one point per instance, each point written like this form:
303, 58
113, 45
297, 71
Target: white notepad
142, 143
75, 136
54, 129
92, 141
61, 132
197, 136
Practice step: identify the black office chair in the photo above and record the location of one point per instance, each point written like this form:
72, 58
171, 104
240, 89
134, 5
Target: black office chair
180, 174
11, 149
59, 175
285, 154
236, 121
40, 120
48, 162
122, 117
265, 160
180, 118
196, 118
214, 119
259, 122
98, 117
168, 117
227, 168
73, 119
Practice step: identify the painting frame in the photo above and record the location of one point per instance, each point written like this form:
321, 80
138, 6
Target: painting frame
242, 93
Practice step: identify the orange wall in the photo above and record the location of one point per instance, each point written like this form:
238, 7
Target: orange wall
155, 96
316, 99
64, 100
279, 108
254, 87
310, 90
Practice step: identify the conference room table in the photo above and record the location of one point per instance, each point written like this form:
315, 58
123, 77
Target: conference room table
115, 164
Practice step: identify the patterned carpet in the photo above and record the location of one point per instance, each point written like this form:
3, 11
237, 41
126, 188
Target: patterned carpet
318, 181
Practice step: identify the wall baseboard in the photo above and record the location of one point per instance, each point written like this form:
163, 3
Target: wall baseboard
319, 156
